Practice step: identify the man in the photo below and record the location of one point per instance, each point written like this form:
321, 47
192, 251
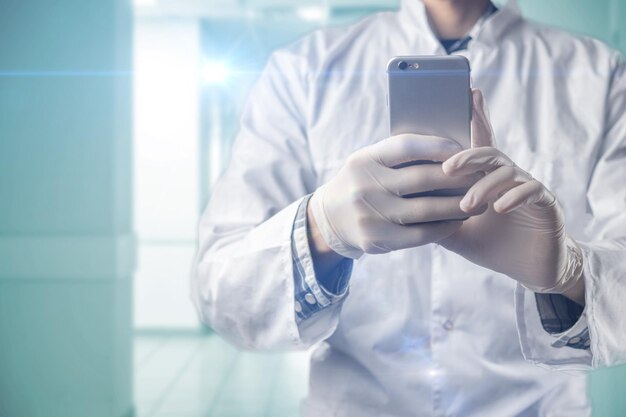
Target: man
436, 317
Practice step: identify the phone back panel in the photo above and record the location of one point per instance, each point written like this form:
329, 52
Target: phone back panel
430, 95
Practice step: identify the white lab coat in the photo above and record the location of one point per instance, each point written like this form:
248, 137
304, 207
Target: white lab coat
423, 332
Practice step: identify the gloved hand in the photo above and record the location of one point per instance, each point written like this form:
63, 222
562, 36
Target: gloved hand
522, 232
362, 209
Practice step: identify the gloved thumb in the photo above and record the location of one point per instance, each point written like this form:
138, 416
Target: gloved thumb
482, 133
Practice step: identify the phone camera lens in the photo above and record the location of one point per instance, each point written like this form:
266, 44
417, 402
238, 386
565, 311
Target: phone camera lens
403, 65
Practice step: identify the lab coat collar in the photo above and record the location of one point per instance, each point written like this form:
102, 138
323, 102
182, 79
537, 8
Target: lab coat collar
489, 33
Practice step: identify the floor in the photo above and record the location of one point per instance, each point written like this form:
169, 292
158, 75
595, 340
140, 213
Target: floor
203, 376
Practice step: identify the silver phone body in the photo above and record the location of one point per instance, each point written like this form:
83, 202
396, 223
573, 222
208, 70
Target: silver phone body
430, 95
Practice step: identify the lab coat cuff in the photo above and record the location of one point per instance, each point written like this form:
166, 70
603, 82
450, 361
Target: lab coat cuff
303, 255
311, 295
561, 351
603, 275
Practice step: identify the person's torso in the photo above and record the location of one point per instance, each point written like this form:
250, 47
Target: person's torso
423, 331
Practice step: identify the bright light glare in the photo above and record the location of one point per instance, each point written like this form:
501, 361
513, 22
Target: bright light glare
144, 2
214, 72
312, 13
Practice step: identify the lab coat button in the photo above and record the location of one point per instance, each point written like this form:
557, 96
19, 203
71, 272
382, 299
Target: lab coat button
310, 298
448, 325
574, 340
298, 307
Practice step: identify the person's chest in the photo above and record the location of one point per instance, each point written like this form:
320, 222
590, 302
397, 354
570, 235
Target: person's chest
548, 120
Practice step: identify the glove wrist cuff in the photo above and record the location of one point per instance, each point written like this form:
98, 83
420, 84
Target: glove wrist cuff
572, 272
326, 229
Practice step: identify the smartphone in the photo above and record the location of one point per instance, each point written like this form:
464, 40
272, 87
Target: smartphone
430, 95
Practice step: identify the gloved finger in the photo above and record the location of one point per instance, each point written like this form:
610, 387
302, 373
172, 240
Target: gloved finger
494, 184
401, 149
419, 234
483, 159
531, 192
482, 133
425, 177
424, 209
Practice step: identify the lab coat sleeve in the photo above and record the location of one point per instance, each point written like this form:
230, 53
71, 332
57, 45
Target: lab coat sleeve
242, 283
604, 258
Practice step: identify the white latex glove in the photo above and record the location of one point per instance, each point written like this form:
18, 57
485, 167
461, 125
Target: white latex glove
522, 232
361, 209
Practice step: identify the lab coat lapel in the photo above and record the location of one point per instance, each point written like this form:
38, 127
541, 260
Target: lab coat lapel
414, 22
497, 26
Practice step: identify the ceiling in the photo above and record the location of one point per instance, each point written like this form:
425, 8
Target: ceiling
240, 8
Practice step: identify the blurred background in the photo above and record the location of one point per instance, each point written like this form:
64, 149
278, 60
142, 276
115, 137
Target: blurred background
115, 119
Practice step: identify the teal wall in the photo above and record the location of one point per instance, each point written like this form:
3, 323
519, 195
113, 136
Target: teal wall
605, 20
602, 19
66, 251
